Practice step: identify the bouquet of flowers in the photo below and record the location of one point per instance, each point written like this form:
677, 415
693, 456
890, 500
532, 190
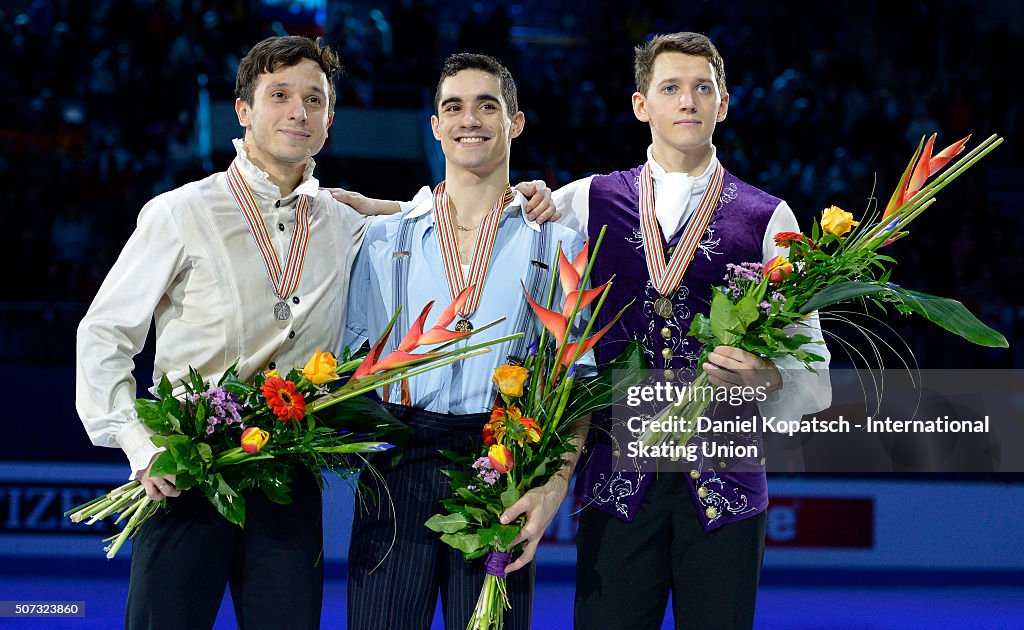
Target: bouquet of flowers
534, 423
238, 435
838, 262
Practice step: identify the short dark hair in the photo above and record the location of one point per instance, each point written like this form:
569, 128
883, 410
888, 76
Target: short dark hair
458, 62
686, 43
274, 53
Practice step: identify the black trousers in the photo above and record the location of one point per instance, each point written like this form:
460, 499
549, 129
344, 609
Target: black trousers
625, 571
397, 566
184, 556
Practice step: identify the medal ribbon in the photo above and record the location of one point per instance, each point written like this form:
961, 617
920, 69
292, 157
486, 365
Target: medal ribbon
482, 250
667, 277
284, 283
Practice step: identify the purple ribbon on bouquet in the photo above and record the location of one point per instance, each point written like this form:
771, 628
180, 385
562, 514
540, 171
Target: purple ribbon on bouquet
495, 563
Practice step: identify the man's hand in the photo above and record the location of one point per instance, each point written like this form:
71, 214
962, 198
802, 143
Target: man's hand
366, 206
730, 367
540, 207
539, 505
158, 487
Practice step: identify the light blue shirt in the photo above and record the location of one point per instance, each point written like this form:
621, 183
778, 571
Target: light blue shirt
464, 387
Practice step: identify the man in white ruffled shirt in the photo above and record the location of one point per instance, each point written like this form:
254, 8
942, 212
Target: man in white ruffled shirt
194, 266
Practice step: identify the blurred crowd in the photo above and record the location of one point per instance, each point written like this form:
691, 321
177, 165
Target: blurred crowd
828, 101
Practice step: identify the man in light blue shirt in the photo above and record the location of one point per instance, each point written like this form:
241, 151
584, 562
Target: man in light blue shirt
472, 231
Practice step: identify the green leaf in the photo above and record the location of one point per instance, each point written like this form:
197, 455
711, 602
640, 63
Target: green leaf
509, 496
840, 292
362, 414
447, 523
164, 389
276, 490
466, 543
229, 503
507, 533
155, 417
197, 380
164, 465
951, 315
482, 516
725, 321
469, 496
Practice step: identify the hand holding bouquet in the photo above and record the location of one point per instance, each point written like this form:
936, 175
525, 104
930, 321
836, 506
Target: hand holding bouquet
535, 428
237, 436
762, 306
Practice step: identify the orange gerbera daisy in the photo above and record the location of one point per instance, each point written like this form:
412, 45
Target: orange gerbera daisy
286, 403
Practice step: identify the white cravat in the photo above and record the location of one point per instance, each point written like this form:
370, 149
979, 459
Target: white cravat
676, 195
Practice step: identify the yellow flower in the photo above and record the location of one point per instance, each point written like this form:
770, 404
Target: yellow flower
321, 368
254, 439
835, 220
510, 379
271, 374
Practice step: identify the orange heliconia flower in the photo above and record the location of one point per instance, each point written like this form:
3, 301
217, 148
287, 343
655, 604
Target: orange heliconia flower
286, 403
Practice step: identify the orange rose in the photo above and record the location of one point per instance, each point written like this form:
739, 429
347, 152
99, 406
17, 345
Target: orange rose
321, 368
510, 379
835, 220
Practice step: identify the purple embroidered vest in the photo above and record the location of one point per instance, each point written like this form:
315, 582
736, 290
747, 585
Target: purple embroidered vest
734, 235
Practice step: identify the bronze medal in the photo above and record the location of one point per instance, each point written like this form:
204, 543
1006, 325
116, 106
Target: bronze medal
463, 325
663, 307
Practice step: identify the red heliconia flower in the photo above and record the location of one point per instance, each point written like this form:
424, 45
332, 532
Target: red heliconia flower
911, 184
439, 333
282, 398
570, 273
570, 348
413, 339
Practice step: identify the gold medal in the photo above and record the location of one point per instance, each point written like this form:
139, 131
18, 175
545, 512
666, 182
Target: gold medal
663, 307
463, 325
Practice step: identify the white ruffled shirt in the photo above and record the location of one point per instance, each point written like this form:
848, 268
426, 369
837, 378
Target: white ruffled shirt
192, 266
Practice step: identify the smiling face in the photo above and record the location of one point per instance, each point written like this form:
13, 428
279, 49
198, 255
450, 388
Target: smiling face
287, 121
473, 123
682, 104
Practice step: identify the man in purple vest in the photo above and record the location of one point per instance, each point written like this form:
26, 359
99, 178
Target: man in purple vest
698, 534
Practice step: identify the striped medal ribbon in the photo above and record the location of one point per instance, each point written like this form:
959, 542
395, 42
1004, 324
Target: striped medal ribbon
283, 282
482, 250
666, 277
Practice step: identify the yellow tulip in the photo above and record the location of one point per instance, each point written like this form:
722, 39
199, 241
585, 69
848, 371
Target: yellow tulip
254, 439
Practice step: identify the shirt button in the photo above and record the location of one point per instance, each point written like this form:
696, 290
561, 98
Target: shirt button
277, 204
280, 226
295, 300
272, 365
291, 335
